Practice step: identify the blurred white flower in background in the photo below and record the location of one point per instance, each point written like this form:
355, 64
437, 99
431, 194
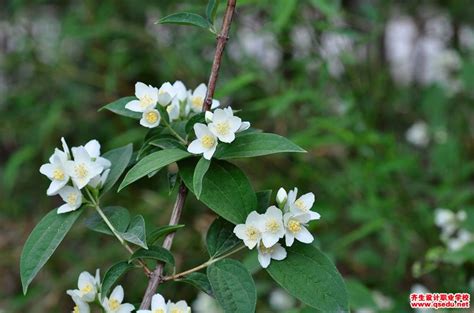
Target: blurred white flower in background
419, 288
452, 234
418, 134
279, 300
206, 304
333, 47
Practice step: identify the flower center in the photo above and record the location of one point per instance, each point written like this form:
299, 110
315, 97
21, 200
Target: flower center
207, 141
76, 310
158, 311
175, 310
294, 226
58, 174
197, 102
223, 128
114, 304
71, 200
266, 250
272, 225
81, 171
252, 233
151, 117
146, 101
300, 205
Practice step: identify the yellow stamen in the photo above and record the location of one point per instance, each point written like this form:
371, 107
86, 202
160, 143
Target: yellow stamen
71, 200
300, 205
272, 225
197, 102
207, 141
223, 128
151, 117
294, 226
252, 233
81, 171
158, 311
58, 174
266, 250
76, 310
114, 304
146, 101
88, 287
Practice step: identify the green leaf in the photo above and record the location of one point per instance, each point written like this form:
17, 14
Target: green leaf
201, 169
359, 295
136, 232
221, 238
185, 18
113, 274
167, 142
255, 144
155, 253
198, 118
225, 189
309, 275
42, 242
159, 232
152, 162
233, 286
211, 10
118, 107
118, 216
263, 200
200, 281
120, 158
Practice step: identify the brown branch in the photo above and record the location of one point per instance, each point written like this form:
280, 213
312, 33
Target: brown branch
157, 276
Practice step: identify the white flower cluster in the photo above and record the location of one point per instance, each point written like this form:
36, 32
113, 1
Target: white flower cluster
159, 305
178, 101
452, 234
222, 126
85, 167
89, 290
289, 221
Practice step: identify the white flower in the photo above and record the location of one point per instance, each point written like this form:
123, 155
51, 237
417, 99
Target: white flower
224, 126
81, 305
166, 93
65, 148
418, 134
302, 205
73, 198
456, 243
181, 91
87, 287
113, 304
99, 180
295, 228
206, 304
83, 168
209, 116
178, 307
56, 172
446, 220
281, 197
93, 149
197, 97
158, 305
147, 98
281, 301
249, 232
173, 110
150, 118
205, 142
271, 226
265, 254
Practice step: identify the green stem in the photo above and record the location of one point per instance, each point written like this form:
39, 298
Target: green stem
203, 265
183, 141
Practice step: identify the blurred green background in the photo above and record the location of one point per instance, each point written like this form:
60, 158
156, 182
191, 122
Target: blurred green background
380, 93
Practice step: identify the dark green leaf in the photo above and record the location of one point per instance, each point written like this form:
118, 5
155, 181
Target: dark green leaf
152, 162
42, 242
120, 158
225, 189
359, 295
255, 144
263, 200
198, 280
201, 169
198, 118
118, 216
155, 253
136, 232
167, 142
309, 275
211, 10
221, 238
159, 232
113, 274
118, 107
233, 286
185, 18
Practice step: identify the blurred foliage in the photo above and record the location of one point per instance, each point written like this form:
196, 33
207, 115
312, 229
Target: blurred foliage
62, 60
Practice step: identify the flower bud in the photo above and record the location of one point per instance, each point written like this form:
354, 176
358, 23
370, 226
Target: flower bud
208, 116
281, 197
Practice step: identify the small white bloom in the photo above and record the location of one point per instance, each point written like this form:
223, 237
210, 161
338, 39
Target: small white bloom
281, 301
56, 172
178, 307
271, 226
301, 205
158, 305
295, 228
418, 134
93, 149
81, 306
87, 287
224, 126
446, 220
265, 255
99, 180
204, 303
249, 232
166, 93
458, 242
281, 197
173, 110
150, 118
208, 116
83, 168
243, 125
73, 198
197, 97
181, 91
205, 143
113, 304
147, 98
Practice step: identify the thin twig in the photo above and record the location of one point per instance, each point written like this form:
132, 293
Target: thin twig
156, 277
